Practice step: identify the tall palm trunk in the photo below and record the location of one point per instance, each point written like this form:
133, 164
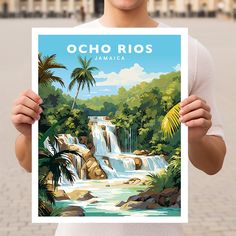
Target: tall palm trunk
76, 95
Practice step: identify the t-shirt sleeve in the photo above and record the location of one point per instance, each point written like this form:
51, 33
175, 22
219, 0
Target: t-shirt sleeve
203, 86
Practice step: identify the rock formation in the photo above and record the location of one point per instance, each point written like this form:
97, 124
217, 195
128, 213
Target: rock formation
169, 197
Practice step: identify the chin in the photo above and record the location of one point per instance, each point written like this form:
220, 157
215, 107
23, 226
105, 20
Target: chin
127, 4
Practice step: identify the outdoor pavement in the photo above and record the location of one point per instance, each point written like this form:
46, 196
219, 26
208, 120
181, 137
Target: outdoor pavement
212, 209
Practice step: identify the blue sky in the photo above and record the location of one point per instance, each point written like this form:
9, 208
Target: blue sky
113, 74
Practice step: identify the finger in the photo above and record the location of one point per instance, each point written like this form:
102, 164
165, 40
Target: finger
21, 109
26, 101
201, 122
22, 119
189, 100
33, 96
199, 113
197, 104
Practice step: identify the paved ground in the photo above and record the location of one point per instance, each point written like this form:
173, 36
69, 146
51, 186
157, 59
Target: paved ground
212, 198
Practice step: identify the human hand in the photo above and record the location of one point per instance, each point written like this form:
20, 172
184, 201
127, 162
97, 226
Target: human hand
195, 114
26, 110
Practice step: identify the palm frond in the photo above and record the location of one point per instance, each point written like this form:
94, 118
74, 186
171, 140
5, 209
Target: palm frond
50, 132
61, 153
57, 79
76, 73
82, 62
72, 84
44, 209
40, 57
44, 192
50, 63
171, 122
92, 68
56, 211
45, 64
88, 63
68, 174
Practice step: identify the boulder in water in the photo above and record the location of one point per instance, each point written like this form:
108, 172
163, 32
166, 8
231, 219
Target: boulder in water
141, 152
149, 194
133, 181
60, 195
103, 127
73, 211
80, 195
150, 200
169, 192
139, 205
93, 169
138, 163
134, 198
120, 204
134, 205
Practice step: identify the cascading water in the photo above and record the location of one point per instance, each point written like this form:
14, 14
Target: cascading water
108, 152
114, 147
153, 163
99, 140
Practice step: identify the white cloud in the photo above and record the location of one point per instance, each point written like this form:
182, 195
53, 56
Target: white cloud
126, 77
104, 90
177, 67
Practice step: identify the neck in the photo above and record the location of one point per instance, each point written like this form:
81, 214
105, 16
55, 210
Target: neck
137, 17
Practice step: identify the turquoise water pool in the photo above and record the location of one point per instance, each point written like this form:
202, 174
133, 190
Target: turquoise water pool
108, 194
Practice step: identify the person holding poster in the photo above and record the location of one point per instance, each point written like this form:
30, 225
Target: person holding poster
198, 112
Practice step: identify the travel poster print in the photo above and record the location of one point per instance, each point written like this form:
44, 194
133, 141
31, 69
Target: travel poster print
109, 146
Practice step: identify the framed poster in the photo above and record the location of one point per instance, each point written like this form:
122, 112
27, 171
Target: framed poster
109, 146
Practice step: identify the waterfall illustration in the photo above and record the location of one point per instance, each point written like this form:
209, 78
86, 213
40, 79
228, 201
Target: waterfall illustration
121, 164
113, 161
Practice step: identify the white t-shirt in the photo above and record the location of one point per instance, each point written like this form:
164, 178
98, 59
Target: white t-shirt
201, 78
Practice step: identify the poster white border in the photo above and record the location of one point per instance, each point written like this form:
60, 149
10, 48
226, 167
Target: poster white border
183, 32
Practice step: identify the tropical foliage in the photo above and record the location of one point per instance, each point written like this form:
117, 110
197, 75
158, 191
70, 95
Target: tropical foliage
45, 70
56, 163
171, 122
167, 178
142, 110
53, 164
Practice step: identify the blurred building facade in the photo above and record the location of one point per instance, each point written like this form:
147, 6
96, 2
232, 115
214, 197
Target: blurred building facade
158, 8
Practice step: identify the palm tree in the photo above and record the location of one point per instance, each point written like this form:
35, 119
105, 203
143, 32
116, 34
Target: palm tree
82, 76
57, 163
45, 66
171, 123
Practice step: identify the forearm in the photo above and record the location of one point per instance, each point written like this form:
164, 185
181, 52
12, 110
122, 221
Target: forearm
208, 154
23, 151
